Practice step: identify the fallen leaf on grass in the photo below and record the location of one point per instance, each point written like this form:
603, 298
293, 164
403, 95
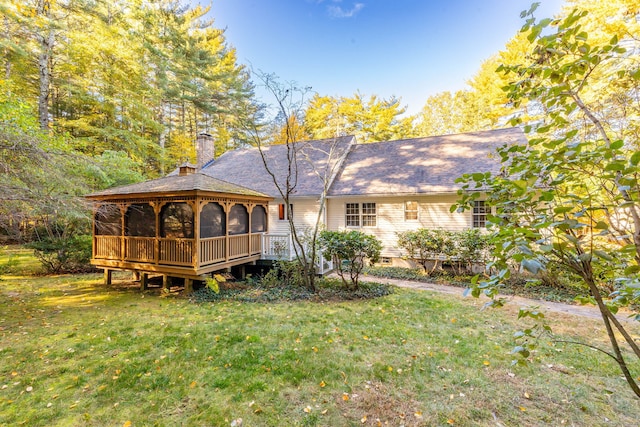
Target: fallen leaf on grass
322, 384
345, 396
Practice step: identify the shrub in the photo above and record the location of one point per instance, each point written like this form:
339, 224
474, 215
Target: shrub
284, 274
425, 245
462, 248
63, 254
470, 248
349, 251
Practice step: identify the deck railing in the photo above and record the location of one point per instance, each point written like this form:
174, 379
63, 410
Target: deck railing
107, 247
212, 250
141, 249
280, 247
176, 251
238, 246
179, 252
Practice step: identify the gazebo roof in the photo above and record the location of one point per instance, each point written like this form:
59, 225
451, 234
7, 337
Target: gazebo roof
168, 185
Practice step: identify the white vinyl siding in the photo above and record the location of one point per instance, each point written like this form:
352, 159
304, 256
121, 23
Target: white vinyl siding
390, 217
305, 212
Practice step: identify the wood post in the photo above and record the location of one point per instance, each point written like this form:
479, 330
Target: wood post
166, 283
188, 286
107, 276
135, 276
144, 281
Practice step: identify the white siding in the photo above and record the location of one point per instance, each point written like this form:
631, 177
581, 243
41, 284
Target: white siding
305, 212
433, 212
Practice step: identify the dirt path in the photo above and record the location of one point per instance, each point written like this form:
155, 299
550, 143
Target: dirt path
556, 307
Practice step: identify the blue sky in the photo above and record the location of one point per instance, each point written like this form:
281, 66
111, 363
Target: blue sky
408, 48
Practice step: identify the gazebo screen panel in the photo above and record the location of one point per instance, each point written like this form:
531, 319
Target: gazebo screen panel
108, 220
176, 221
238, 220
140, 220
258, 219
213, 221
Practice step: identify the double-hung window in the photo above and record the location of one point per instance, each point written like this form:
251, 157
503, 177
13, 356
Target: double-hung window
480, 211
411, 210
360, 215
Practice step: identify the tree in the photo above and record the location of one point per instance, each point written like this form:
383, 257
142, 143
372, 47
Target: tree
369, 120
290, 102
570, 197
350, 250
41, 180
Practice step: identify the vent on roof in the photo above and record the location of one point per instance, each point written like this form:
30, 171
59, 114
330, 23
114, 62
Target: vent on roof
186, 170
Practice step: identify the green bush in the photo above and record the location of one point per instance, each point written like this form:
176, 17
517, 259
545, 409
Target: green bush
462, 249
288, 274
349, 251
63, 254
425, 246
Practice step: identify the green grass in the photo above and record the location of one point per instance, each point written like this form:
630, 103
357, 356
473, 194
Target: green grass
17, 260
75, 352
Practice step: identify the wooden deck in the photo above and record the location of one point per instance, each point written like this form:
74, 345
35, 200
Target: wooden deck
181, 257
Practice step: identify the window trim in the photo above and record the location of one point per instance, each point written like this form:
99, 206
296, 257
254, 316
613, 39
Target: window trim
366, 215
479, 214
352, 217
415, 211
283, 213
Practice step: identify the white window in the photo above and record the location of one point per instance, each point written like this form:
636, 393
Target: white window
368, 214
411, 210
352, 217
480, 211
360, 215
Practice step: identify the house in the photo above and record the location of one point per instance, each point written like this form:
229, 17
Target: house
379, 188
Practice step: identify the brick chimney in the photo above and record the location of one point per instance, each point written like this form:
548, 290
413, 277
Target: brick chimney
205, 149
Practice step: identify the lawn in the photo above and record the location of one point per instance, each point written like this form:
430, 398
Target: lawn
75, 352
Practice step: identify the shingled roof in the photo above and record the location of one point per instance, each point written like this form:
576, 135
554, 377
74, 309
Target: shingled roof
245, 166
178, 184
421, 165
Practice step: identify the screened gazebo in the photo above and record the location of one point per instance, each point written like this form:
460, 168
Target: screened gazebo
187, 226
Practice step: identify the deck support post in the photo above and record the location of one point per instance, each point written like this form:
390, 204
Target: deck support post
144, 281
166, 283
135, 276
107, 276
188, 286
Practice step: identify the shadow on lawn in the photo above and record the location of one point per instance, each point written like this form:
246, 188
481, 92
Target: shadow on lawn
71, 291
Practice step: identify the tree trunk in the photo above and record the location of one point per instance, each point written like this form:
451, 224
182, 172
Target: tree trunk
46, 40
